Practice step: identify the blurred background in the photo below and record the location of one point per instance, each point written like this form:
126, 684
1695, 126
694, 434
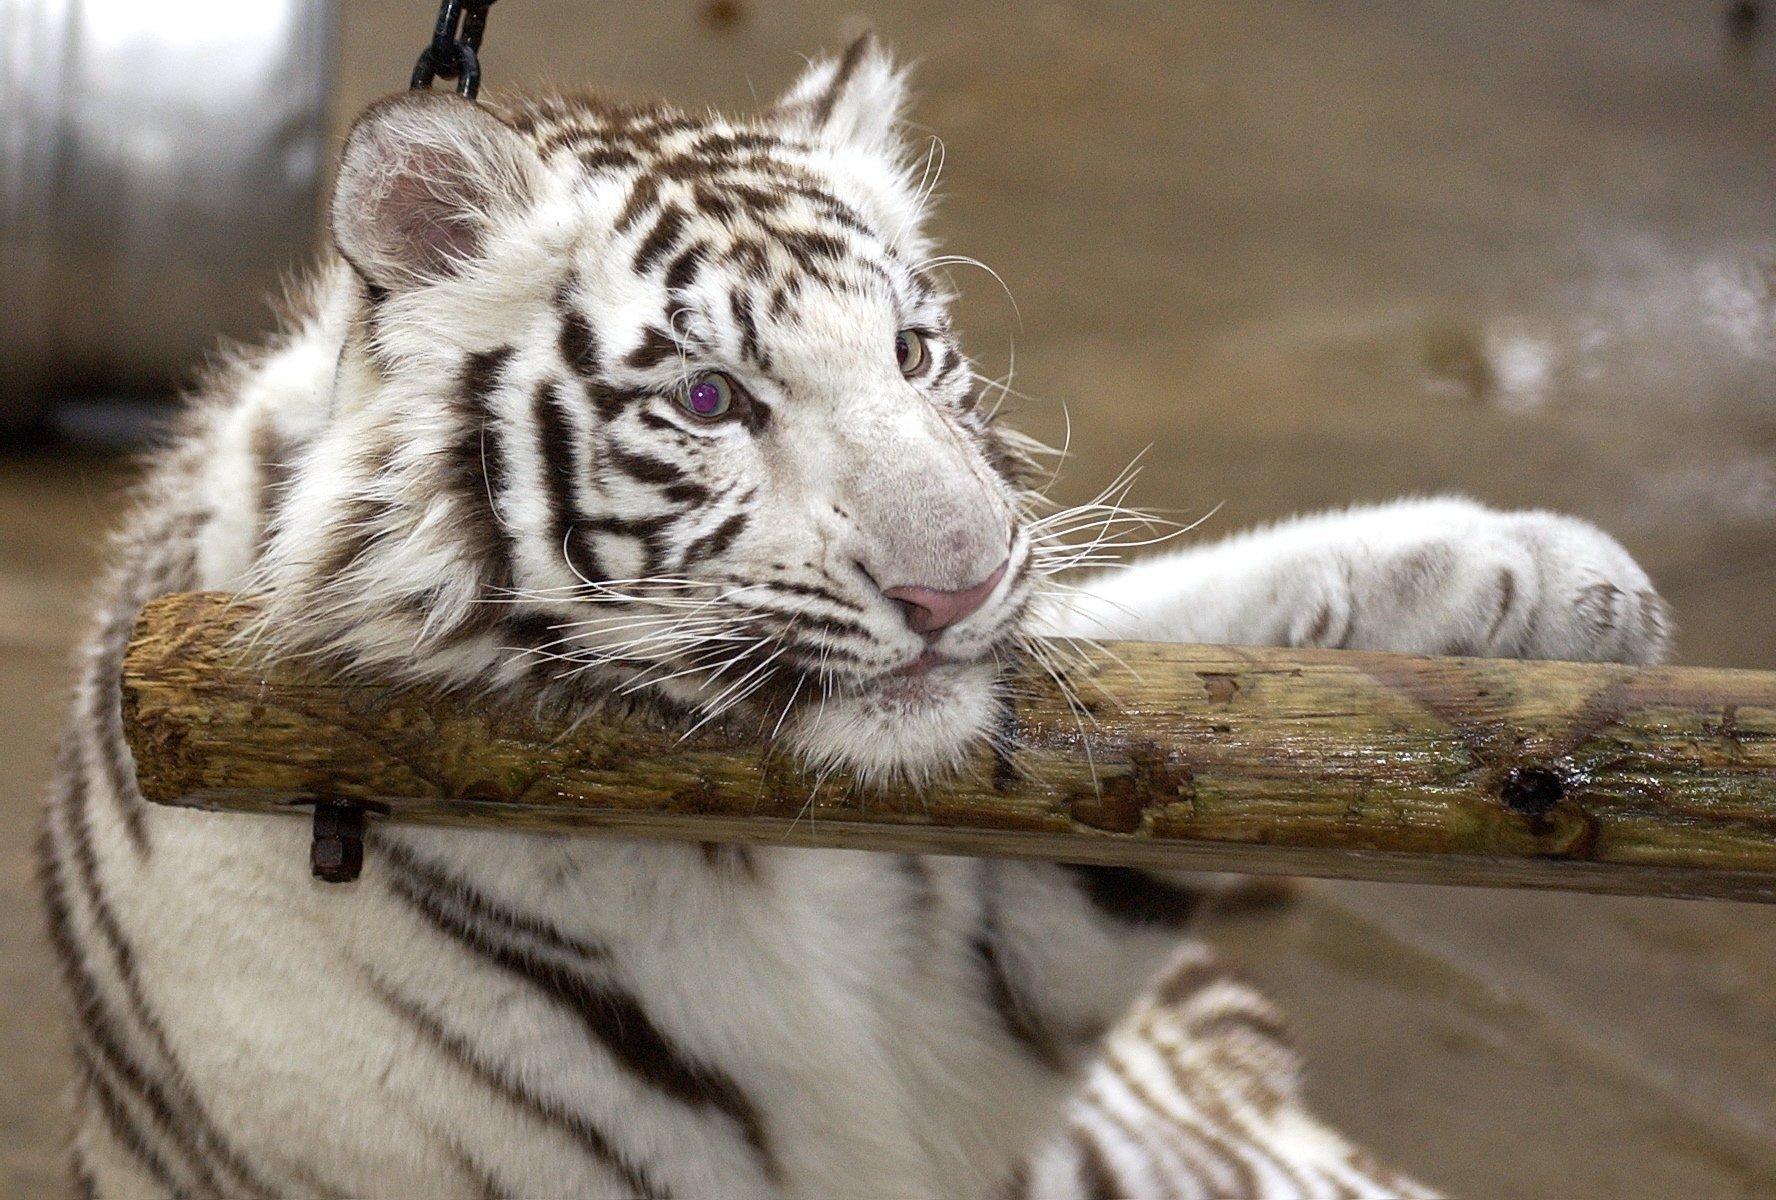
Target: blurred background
1301, 254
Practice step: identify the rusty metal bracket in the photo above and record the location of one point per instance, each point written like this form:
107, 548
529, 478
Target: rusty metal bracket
337, 853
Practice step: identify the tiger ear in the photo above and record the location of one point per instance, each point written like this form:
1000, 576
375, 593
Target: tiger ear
853, 100
423, 179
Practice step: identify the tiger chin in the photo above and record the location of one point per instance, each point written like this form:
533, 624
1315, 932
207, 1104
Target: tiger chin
918, 728
595, 402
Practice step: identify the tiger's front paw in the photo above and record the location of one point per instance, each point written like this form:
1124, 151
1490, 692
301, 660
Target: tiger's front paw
1452, 577
1586, 599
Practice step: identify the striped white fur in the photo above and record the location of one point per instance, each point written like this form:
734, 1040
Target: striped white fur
471, 461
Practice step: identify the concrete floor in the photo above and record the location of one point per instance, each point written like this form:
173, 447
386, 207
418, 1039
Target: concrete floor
1304, 254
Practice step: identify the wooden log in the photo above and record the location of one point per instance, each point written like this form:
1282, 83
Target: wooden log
1594, 777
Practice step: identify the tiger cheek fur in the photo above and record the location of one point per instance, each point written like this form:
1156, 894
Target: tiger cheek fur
600, 403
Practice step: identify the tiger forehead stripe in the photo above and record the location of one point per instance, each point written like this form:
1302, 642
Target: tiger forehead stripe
740, 305
728, 172
656, 347
660, 239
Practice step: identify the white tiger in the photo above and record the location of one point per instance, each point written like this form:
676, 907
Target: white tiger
600, 399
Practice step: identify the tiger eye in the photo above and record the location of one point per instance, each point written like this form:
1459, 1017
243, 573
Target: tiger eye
910, 351
708, 396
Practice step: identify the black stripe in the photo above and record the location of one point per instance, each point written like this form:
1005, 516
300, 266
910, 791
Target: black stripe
807, 617
565, 137
606, 158
1185, 980
1016, 1014
686, 493
660, 239
352, 531
85, 1186
818, 655
578, 344
651, 128
917, 874
105, 725
170, 1100
814, 590
756, 199
495, 1079
740, 304
1204, 1094
123, 1127
649, 531
755, 414
555, 454
528, 631
430, 887
829, 97
712, 202
659, 424
98, 1030
610, 402
487, 1184
832, 208
556, 451
749, 256
475, 468
1135, 897
644, 528
1013, 1010
952, 362
1208, 1151
643, 467
875, 270
616, 1020
1014, 467
1243, 1021
720, 145
808, 248
1097, 1179
804, 621
693, 168
683, 269
717, 540
271, 459
730, 857
656, 347
643, 194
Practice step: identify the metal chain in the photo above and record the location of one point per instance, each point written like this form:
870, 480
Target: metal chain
455, 49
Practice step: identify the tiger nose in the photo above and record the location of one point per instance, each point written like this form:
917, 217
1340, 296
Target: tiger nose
928, 610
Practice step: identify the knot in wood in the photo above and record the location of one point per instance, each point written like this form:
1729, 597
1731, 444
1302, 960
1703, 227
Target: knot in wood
1115, 805
1532, 791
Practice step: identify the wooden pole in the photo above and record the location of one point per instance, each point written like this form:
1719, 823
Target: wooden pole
1593, 777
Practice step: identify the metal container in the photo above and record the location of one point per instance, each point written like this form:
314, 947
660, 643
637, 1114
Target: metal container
160, 166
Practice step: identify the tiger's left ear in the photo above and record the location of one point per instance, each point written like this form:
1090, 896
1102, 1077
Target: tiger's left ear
424, 182
854, 100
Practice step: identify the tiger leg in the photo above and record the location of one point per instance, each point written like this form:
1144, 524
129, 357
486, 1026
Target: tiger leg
1197, 1096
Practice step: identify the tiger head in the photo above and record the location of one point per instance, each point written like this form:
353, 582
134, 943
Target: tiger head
647, 402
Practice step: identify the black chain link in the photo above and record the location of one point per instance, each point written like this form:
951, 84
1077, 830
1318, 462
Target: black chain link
455, 49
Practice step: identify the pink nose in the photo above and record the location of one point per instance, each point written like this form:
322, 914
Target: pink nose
928, 610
